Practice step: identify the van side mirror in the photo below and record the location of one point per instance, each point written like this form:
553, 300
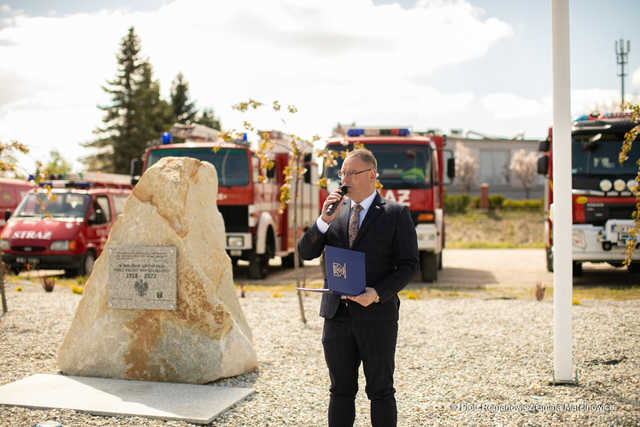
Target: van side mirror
543, 165
451, 168
97, 217
136, 167
543, 146
271, 172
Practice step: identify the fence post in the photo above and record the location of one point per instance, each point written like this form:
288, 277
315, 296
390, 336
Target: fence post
484, 197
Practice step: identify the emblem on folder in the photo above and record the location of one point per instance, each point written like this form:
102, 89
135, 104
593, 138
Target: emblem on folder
340, 270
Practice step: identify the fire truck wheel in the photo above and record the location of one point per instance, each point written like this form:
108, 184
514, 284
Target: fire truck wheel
257, 266
549, 261
440, 261
634, 268
70, 272
87, 263
577, 269
429, 266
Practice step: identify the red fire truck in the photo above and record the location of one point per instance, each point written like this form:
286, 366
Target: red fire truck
602, 202
411, 171
255, 229
11, 193
65, 227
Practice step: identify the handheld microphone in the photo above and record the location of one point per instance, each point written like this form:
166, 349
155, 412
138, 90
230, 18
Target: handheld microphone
333, 206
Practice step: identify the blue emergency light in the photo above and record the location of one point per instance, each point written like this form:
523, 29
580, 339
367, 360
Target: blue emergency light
166, 138
378, 132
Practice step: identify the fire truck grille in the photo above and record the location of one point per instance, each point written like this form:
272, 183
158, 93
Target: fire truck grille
621, 211
598, 215
28, 249
236, 218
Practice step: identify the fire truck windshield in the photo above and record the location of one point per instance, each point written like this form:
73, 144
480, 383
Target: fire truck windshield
399, 165
232, 164
65, 205
593, 155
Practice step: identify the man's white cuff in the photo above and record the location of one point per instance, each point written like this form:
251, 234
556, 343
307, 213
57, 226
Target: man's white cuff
322, 225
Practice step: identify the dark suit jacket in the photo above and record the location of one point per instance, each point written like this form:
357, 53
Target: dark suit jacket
387, 236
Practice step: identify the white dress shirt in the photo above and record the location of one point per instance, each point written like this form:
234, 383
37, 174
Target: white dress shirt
366, 204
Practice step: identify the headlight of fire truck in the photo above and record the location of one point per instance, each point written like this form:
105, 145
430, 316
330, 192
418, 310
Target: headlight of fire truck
4, 245
579, 239
63, 245
605, 185
235, 241
619, 185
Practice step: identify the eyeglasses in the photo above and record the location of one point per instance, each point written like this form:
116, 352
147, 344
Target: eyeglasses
343, 175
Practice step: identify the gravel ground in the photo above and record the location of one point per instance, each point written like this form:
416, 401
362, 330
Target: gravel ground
457, 361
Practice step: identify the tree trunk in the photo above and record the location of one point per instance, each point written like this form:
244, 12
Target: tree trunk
296, 259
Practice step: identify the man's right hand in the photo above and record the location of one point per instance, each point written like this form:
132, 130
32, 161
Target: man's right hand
333, 197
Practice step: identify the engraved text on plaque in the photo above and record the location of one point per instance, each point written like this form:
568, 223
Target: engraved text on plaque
143, 277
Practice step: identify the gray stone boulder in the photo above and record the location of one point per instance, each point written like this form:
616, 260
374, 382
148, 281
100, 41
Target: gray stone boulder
207, 337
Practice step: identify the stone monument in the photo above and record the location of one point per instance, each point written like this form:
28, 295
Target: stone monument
160, 304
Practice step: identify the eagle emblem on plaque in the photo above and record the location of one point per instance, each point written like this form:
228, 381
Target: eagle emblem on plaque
141, 287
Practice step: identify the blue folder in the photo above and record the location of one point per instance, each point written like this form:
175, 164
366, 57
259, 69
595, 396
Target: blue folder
344, 270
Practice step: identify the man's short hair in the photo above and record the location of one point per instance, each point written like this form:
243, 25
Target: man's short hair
364, 155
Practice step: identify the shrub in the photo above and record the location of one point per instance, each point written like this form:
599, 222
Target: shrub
529, 205
475, 202
456, 203
496, 201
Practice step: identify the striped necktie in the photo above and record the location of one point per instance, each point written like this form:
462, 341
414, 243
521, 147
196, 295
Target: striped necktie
353, 223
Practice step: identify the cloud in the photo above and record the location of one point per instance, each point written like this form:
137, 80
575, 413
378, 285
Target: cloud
585, 101
335, 60
504, 106
510, 106
12, 87
635, 78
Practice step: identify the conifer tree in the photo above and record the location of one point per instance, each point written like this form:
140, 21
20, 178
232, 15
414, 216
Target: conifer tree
184, 110
208, 118
135, 116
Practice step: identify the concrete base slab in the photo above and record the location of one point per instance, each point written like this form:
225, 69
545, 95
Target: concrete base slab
198, 404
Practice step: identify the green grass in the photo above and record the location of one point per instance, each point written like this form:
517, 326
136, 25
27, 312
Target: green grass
495, 229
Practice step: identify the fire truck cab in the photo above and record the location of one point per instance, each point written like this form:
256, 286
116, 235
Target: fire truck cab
601, 196
65, 227
255, 229
411, 171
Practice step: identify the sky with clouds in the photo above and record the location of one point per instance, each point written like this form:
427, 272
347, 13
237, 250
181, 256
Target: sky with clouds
481, 65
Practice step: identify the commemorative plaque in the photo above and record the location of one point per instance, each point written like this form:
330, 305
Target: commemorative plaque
143, 277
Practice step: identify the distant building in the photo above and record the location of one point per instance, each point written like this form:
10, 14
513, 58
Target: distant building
494, 159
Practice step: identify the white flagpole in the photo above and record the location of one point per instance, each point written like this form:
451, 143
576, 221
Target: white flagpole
562, 257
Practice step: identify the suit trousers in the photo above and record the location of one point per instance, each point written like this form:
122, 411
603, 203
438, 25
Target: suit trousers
347, 341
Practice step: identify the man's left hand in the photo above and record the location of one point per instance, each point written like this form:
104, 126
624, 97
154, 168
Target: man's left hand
367, 298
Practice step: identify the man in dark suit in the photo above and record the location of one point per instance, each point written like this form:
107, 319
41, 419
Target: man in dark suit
364, 328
